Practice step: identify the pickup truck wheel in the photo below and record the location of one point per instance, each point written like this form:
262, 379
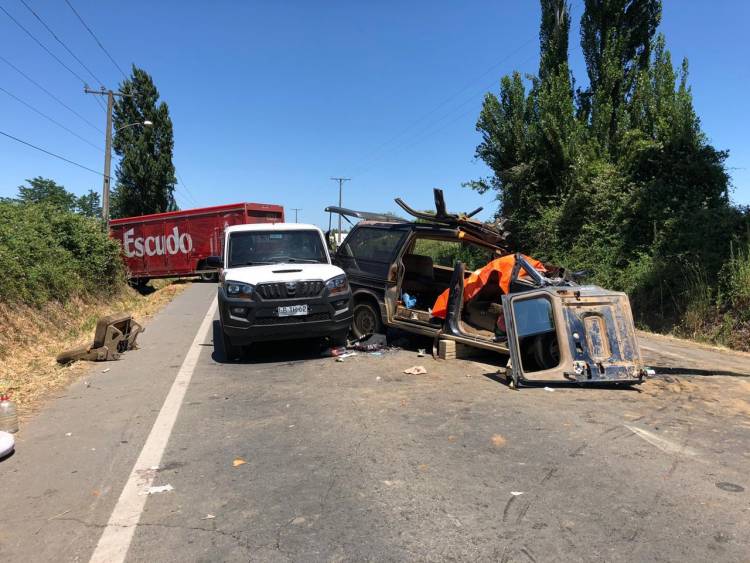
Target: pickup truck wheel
366, 319
231, 352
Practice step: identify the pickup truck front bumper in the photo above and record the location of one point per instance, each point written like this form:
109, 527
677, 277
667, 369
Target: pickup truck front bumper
246, 321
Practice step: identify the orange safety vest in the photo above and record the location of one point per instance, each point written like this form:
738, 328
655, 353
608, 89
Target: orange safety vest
477, 280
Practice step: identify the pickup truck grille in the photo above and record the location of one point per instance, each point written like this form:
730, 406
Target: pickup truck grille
289, 290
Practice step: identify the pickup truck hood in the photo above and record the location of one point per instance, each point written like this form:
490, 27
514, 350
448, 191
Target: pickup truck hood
282, 273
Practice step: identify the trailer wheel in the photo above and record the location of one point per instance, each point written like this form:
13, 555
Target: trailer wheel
231, 352
210, 277
366, 319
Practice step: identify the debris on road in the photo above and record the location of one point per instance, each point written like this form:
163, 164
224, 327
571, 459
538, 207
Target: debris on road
238, 461
421, 353
516, 493
498, 440
7, 443
208, 517
549, 389
650, 372
105, 370
415, 370
68, 433
114, 335
158, 489
369, 343
334, 352
342, 357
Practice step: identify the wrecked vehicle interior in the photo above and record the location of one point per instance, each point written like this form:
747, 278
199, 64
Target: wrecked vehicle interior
449, 276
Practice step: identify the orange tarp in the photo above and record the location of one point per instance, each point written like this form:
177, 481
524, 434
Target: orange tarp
476, 281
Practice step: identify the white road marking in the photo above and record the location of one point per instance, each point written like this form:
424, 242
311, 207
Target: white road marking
115, 540
662, 443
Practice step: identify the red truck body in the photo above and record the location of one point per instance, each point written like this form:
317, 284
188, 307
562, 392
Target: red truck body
177, 243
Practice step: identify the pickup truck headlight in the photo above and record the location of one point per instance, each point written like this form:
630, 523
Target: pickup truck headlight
337, 285
238, 289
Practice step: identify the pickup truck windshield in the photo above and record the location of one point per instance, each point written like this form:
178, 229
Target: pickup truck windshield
273, 247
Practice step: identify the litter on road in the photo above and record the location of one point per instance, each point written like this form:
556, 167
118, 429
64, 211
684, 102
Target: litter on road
416, 370
158, 489
238, 461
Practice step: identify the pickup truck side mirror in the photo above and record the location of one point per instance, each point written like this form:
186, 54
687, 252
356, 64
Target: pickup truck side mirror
215, 262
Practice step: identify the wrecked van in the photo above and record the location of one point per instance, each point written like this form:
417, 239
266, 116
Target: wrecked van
449, 276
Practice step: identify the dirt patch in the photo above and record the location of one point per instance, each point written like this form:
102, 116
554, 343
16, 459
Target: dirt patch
31, 338
719, 396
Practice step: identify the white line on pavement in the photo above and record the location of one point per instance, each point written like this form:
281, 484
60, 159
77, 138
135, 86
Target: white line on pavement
662, 443
115, 540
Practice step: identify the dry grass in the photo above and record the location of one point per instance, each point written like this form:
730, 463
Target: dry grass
31, 338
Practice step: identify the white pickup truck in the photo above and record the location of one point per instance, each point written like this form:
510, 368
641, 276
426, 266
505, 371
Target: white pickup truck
278, 283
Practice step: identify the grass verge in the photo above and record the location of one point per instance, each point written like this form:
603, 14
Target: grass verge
31, 337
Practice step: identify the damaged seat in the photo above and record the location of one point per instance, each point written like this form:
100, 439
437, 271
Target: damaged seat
419, 274
483, 309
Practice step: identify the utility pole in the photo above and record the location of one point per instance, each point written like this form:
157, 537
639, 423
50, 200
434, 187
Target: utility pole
107, 147
341, 186
295, 209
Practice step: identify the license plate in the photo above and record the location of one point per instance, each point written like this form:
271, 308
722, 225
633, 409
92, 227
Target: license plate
292, 311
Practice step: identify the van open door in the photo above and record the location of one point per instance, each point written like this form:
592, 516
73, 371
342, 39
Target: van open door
583, 334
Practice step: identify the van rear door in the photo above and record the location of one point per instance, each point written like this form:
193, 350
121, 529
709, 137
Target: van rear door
582, 334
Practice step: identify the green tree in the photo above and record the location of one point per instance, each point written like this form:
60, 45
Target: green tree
619, 178
44, 190
89, 204
145, 174
616, 40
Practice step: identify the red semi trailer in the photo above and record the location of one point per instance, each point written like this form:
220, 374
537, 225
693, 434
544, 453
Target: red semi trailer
177, 243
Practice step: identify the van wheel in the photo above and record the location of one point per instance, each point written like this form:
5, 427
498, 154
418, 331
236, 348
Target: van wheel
231, 352
366, 319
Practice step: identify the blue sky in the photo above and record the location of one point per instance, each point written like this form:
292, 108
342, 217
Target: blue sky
271, 99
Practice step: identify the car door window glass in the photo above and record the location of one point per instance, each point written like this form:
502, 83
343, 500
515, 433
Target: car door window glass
370, 249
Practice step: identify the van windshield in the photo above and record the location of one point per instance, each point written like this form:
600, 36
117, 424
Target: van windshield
253, 248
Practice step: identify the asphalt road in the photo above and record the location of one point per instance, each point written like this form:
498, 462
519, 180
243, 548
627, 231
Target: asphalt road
356, 460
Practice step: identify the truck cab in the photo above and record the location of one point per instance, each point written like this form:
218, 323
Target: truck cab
277, 283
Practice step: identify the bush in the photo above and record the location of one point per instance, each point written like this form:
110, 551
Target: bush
47, 254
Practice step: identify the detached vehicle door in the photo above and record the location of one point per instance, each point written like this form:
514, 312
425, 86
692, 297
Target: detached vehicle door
571, 333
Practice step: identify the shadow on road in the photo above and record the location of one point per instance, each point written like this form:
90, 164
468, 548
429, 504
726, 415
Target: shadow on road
693, 371
498, 377
271, 352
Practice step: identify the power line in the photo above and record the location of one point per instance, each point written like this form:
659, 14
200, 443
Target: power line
444, 102
32, 108
50, 53
95, 38
419, 137
50, 153
60, 41
50, 94
184, 185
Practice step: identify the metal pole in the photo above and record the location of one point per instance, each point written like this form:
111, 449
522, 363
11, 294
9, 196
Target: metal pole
341, 186
107, 160
295, 209
107, 145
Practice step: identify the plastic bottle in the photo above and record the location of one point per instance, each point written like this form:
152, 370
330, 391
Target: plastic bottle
8, 415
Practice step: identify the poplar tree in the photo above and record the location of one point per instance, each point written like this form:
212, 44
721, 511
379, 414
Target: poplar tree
145, 174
